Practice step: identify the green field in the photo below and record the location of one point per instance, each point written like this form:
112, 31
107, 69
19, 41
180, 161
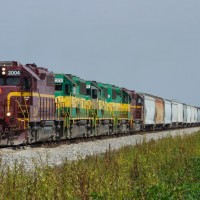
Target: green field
164, 169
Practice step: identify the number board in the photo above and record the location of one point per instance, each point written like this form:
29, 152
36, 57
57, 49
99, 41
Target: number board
14, 73
58, 80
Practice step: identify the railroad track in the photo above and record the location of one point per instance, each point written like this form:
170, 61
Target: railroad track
53, 144
53, 154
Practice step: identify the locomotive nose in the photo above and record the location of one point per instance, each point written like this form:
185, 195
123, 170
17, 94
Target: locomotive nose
4, 92
1, 92
1, 103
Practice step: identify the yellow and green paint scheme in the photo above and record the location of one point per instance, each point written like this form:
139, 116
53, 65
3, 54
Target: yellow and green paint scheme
89, 107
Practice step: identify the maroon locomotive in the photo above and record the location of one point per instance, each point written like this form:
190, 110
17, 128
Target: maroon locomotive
27, 104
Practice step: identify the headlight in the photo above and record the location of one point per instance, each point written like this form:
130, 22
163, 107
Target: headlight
8, 114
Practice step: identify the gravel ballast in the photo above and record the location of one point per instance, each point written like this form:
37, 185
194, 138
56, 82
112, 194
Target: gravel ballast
55, 156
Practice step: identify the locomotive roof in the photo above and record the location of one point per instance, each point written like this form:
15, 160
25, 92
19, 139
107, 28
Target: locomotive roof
129, 92
96, 85
31, 72
9, 63
68, 77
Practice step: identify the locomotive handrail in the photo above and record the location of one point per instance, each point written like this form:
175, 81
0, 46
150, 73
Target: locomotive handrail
26, 107
39, 101
21, 111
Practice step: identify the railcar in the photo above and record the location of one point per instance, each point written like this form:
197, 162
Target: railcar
195, 115
148, 115
180, 114
198, 116
27, 105
189, 115
168, 114
159, 114
185, 115
192, 116
152, 112
137, 110
174, 114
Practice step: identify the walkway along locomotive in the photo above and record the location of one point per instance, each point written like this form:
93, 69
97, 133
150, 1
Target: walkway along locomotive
37, 105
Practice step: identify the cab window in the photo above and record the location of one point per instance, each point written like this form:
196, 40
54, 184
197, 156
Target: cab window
2, 81
58, 87
26, 83
67, 89
13, 81
94, 93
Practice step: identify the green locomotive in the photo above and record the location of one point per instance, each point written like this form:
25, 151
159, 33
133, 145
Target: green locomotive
89, 108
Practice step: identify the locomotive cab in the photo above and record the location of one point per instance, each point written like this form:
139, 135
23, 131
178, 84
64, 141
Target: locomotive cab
13, 117
21, 92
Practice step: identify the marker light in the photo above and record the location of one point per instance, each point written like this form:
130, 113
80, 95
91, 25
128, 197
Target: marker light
3, 69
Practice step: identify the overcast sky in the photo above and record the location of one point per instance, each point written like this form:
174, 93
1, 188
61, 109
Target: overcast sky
149, 46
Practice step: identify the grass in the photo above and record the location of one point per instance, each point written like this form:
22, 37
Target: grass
164, 169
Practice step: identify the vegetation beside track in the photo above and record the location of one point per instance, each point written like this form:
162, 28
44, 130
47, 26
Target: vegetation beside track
164, 169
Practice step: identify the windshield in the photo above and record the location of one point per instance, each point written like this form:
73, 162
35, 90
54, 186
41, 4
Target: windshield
10, 81
2, 81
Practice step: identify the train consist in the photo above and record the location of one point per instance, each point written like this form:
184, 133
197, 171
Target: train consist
37, 105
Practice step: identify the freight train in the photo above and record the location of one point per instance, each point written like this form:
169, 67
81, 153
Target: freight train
37, 105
